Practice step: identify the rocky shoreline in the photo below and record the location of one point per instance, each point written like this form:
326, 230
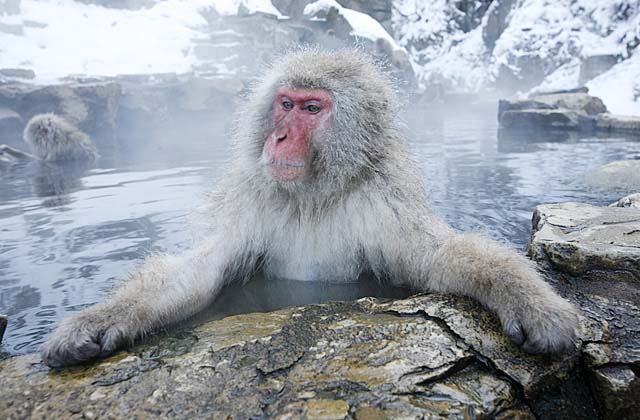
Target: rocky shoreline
573, 110
425, 356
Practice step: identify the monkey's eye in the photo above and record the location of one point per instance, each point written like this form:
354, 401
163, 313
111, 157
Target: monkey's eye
314, 109
287, 105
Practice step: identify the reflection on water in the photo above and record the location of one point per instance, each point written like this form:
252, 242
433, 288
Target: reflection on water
69, 234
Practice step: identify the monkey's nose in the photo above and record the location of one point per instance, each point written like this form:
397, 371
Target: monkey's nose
281, 138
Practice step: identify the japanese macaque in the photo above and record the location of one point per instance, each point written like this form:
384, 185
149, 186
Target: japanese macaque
321, 188
52, 138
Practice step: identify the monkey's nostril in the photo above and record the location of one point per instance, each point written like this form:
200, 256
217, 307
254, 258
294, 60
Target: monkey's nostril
281, 138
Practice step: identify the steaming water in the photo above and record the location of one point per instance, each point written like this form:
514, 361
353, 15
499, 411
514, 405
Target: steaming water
68, 235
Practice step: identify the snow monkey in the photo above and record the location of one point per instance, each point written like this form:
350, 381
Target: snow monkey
52, 138
321, 188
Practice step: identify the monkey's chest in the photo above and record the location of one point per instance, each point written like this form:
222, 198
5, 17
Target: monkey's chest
312, 256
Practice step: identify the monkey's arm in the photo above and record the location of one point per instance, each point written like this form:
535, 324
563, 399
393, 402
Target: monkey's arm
164, 290
425, 254
532, 314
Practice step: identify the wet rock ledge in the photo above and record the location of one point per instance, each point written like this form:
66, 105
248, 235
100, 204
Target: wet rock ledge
428, 356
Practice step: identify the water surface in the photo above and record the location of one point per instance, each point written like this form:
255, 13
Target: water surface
68, 235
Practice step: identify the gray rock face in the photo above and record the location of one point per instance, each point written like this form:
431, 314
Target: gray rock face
571, 110
496, 23
9, 7
588, 241
576, 101
18, 73
427, 356
338, 360
124, 111
90, 106
594, 65
544, 118
620, 174
3, 326
241, 45
618, 123
596, 251
380, 10
580, 102
122, 4
11, 124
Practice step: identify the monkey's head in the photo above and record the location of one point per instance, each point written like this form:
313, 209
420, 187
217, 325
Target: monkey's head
319, 117
41, 133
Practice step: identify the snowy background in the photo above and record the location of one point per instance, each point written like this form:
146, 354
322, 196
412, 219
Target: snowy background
487, 47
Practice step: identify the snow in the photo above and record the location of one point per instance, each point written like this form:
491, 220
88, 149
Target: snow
619, 88
230, 7
88, 39
92, 40
542, 43
566, 76
363, 25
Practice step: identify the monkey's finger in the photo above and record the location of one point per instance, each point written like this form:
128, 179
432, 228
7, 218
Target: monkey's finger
513, 329
110, 340
536, 347
66, 355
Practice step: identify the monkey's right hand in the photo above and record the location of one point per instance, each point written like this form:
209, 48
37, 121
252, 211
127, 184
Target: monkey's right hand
92, 333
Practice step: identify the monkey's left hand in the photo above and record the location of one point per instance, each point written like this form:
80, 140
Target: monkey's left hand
87, 335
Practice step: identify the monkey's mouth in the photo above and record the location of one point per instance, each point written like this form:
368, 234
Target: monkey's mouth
287, 171
286, 164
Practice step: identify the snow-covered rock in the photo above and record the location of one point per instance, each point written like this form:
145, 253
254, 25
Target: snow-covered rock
213, 38
516, 46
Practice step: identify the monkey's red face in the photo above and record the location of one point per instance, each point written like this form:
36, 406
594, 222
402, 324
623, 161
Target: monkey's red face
298, 114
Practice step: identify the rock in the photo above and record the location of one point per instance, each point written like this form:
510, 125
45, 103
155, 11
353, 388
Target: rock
632, 200
12, 29
3, 326
334, 22
594, 65
380, 10
617, 390
122, 4
545, 118
496, 22
576, 110
618, 123
584, 102
587, 241
90, 106
240, 45
292, 8
595, 251
620, 174
505, 105
200, 93
11, 126
18, 73
422, 357
34, 24
9, 7
581, 89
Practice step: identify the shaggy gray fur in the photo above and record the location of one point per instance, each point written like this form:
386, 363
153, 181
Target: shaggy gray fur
362, 208
52, 138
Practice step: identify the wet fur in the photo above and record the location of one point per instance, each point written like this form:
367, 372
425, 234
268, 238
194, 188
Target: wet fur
362, 209
52, 138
